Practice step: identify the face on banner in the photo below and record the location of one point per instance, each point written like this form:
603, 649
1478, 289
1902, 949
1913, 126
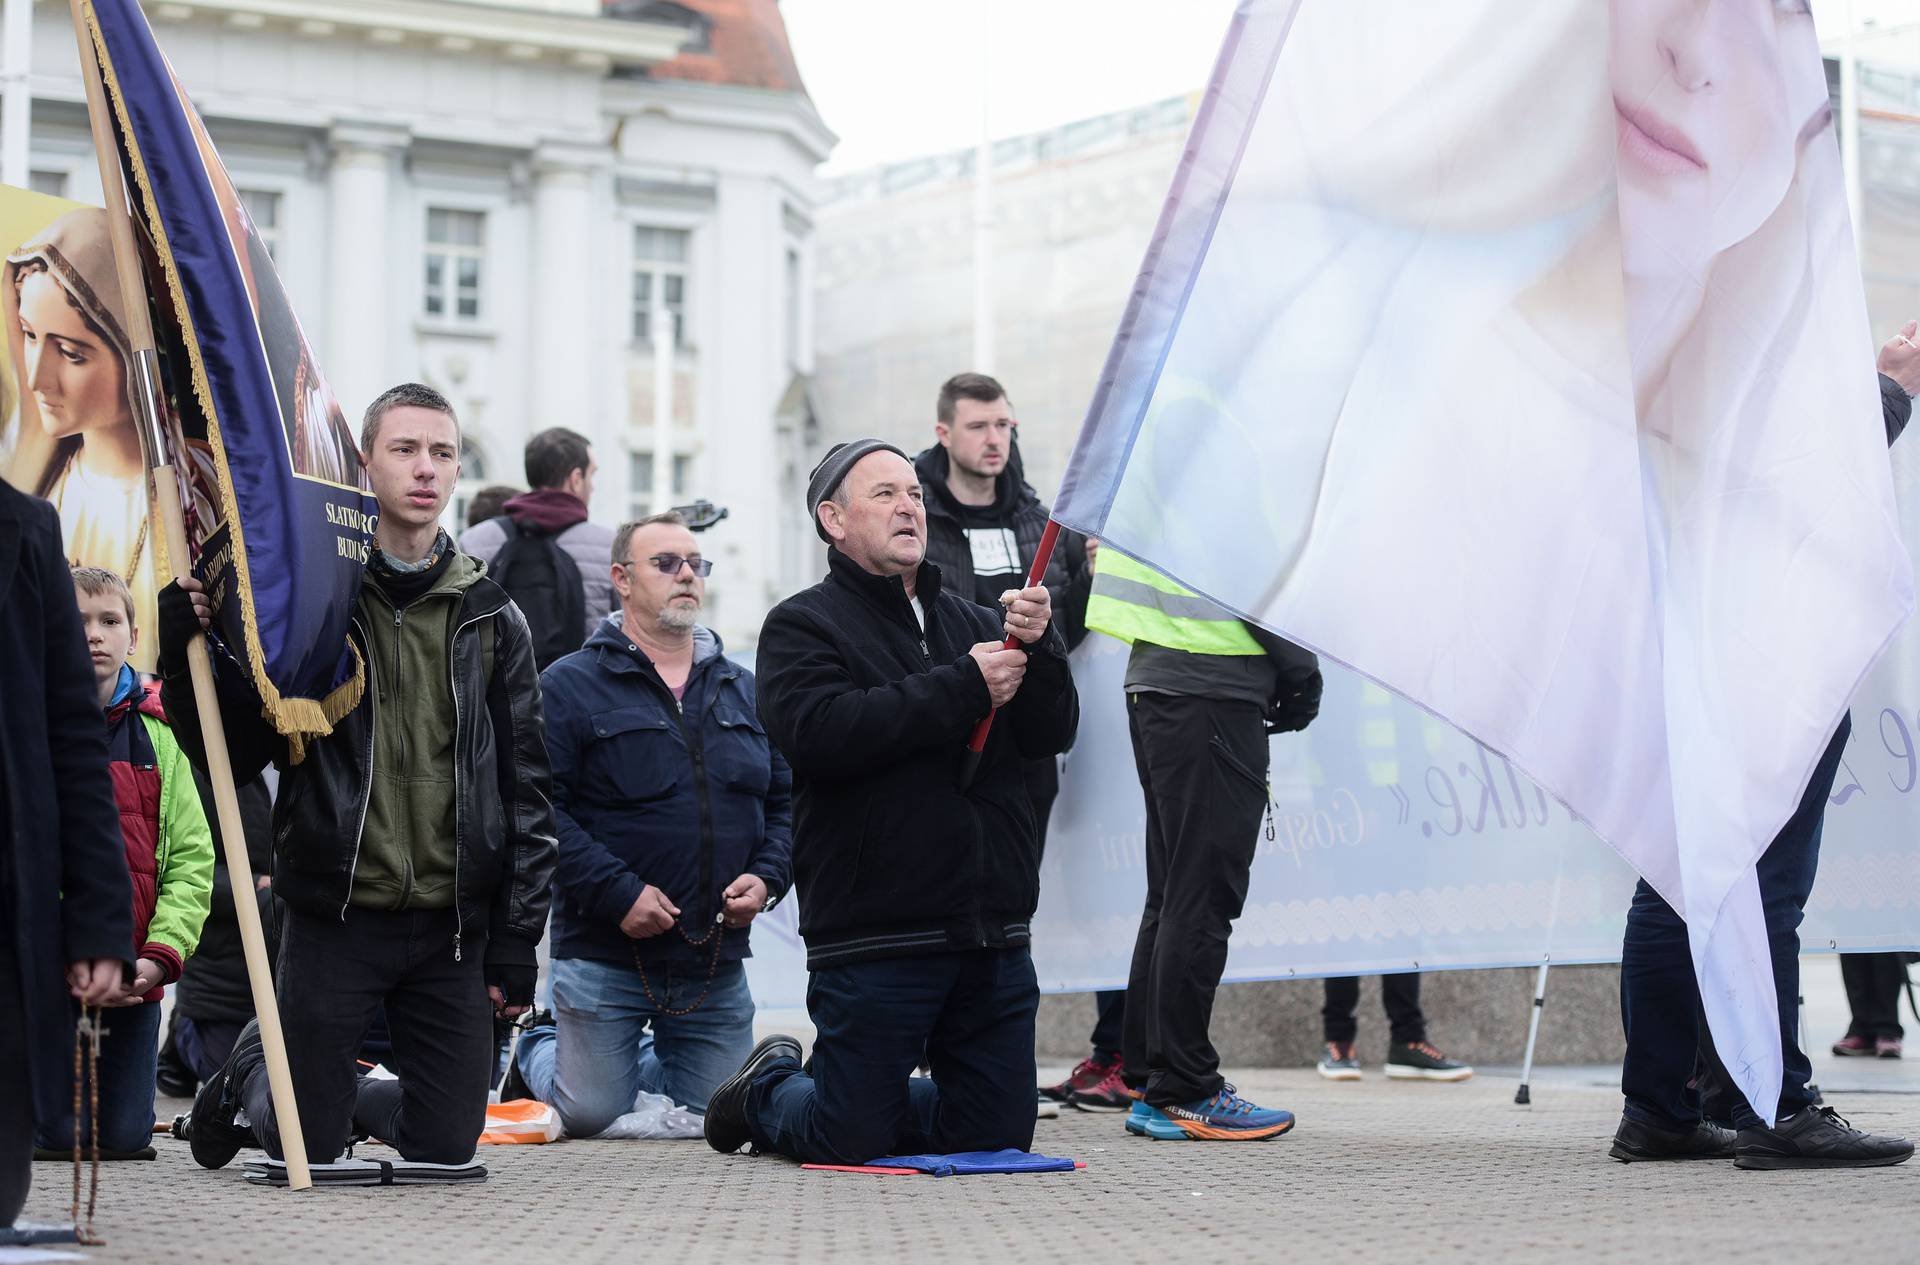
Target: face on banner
70, 431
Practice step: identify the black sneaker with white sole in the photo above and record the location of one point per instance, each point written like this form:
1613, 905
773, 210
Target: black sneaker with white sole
212, 1135
1420, 1061
727, 1128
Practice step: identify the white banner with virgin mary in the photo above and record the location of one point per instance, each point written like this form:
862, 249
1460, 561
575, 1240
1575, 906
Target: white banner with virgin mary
1515, 356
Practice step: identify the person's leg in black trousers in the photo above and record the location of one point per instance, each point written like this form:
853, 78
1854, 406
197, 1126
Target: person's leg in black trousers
442, 1024
981, 1052
16, 1090
1406, 1024
1338, 1026
330, 979
1874, 983
1134, 1034
1205, 767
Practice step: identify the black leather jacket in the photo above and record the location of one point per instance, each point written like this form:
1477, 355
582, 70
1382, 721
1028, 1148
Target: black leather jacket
503, 823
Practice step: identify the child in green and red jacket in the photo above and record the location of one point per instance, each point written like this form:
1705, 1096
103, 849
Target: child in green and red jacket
170, 858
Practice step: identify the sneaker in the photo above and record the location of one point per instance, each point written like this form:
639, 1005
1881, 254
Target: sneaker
1816, 1137
1111, 1094
513, 1086
1139, 1115
1637, 1140
727, 1108
174, 1082
1045, 1108
1853, 1046
1086, 1074
1340, 1063
1419, 1061
212, 1134
1225, 1117
1887, 1048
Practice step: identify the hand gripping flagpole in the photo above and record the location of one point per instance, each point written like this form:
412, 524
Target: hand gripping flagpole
978, 743
166, 504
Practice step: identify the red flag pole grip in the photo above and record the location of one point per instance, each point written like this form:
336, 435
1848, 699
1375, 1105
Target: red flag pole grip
978, 742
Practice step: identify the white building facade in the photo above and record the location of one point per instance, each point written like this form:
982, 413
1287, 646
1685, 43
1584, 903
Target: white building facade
500, 201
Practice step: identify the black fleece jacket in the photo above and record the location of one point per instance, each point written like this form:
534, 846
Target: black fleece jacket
890, 857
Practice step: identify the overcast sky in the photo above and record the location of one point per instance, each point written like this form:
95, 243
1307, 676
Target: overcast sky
900, 78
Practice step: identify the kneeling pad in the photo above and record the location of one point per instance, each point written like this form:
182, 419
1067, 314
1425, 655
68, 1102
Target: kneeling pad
958, 1164
369, 1173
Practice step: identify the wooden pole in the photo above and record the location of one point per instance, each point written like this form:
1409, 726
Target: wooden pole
166, 505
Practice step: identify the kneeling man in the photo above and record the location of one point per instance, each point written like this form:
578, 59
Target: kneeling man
675, 824
915, 892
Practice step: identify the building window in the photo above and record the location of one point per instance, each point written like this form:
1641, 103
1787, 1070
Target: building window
456, 251
53, 183
640, 483
659, 280
263, 208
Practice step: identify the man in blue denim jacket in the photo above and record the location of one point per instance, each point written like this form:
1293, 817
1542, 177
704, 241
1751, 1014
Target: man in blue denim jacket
675, 826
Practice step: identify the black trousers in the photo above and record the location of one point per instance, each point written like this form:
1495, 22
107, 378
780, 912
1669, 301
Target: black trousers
1874, 983
334, 974
1203, 769
16, 1089
1400, 993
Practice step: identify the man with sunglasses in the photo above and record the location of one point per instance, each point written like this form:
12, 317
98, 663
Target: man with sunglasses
674, 817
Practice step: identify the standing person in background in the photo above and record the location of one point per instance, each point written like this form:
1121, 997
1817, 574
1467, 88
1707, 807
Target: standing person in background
984, 523
489, 502
1410, 1056
66, 903
1663, 1117
1204, 691
1874, 982
544, 552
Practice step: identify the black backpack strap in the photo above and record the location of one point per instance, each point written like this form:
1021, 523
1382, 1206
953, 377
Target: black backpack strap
502, 556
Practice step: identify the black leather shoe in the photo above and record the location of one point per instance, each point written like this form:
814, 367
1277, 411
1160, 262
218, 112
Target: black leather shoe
1817, 1137
727, 1108
1635, 1140
211, 1132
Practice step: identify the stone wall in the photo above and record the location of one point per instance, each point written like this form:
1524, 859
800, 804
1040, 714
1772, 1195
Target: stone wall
1477, 1016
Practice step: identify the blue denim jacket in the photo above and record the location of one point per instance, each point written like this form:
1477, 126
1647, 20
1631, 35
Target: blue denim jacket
684, 796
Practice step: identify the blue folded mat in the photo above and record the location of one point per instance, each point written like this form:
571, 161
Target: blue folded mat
962, 1163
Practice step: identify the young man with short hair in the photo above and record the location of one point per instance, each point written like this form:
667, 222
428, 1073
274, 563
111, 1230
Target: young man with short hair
414, 844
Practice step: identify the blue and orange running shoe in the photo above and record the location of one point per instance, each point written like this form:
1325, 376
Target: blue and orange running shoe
1225, 1117
1140, 1115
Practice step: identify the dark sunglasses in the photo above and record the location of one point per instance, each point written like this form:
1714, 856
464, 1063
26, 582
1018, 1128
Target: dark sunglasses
670, 564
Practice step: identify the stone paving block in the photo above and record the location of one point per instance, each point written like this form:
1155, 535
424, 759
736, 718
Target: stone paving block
1375, 1171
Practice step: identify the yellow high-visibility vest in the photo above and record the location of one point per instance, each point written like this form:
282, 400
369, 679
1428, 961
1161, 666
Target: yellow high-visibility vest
1136, 603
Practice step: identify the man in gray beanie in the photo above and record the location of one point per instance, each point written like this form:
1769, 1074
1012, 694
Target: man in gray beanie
915, 891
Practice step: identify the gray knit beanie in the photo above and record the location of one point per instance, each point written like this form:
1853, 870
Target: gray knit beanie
833, 468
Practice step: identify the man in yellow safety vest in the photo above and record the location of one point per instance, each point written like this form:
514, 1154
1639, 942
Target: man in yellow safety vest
1203, 692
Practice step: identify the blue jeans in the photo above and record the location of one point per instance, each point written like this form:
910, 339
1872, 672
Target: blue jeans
129, 1056
969, 1014
1660, 998
600, 1055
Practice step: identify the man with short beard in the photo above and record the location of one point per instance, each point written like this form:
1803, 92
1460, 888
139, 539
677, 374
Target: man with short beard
675, 819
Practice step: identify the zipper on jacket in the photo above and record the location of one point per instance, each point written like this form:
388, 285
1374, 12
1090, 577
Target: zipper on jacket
400, 734
366, 795
506, 845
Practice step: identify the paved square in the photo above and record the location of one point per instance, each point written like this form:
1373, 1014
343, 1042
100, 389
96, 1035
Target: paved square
1375, 1171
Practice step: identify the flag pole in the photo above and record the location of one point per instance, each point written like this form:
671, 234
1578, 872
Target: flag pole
144, 370
1037, 572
